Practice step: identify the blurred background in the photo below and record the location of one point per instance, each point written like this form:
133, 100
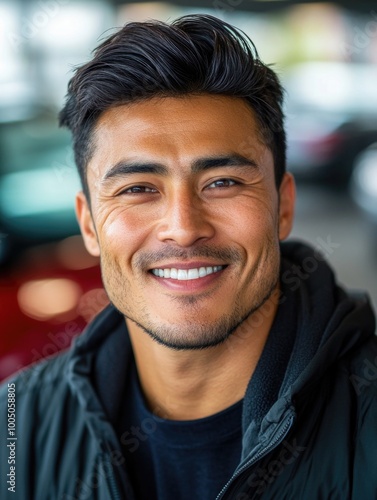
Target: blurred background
326, 55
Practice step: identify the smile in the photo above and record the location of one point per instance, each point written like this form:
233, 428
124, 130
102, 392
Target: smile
186, 274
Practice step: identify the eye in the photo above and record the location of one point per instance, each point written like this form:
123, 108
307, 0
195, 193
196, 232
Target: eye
222, 183
139, 190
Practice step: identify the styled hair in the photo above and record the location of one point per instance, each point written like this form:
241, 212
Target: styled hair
196, 54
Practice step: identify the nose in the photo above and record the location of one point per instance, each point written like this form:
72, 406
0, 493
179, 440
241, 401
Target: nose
185, 220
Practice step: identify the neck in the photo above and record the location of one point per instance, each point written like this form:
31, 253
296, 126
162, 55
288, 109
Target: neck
187, 385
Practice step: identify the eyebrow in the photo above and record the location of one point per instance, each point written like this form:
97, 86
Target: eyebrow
125, 168
233, 160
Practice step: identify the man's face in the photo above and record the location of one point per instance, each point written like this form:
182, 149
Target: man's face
185, 216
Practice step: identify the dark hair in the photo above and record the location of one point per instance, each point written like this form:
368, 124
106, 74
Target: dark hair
196, 54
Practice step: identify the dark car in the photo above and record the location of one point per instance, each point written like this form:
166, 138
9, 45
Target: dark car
331, 117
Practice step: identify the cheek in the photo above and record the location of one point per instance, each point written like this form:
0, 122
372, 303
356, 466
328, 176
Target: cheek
253, 227
251, 222
124, 231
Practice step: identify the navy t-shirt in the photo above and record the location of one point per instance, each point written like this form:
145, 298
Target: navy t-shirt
169, 459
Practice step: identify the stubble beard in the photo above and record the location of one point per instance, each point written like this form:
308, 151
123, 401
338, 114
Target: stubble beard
202, 336
193, 335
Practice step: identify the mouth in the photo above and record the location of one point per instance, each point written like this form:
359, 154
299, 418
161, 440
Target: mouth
186, 273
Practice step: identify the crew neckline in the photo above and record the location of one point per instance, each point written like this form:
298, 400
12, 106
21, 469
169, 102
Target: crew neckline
190, 433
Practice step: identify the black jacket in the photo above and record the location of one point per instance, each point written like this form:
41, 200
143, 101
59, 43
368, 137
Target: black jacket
311, 436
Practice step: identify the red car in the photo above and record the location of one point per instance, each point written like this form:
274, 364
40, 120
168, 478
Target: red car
47, 296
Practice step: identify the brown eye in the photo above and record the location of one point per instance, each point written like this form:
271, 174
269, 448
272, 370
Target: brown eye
222, 183
139, 190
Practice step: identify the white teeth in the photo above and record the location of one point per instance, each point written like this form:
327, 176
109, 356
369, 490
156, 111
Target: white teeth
186, 274
202, 272
182, 274
167, 273
193, 274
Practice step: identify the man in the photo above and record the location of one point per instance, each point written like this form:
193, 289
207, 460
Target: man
229, 365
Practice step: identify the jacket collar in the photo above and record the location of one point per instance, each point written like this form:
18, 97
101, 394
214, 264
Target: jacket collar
329, 324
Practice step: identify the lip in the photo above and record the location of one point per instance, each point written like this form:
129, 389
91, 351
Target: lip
187, 265
189, 286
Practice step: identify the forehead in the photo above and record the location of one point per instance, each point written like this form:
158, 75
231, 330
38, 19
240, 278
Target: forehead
175, 131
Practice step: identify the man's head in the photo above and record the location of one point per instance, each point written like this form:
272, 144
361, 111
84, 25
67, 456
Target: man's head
196, 54
187, 204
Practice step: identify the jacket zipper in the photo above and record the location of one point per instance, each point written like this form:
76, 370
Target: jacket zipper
275, 442
112, 481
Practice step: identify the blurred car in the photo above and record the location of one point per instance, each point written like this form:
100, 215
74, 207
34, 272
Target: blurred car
47, 297
50, 287
38, 182
364, 184
331, 116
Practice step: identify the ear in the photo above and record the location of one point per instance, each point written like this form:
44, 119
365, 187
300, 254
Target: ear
287, 197
85, 220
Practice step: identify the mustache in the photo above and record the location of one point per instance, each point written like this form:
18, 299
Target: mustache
146, 260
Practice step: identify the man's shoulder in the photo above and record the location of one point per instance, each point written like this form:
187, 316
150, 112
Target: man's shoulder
50, 372
55, 369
